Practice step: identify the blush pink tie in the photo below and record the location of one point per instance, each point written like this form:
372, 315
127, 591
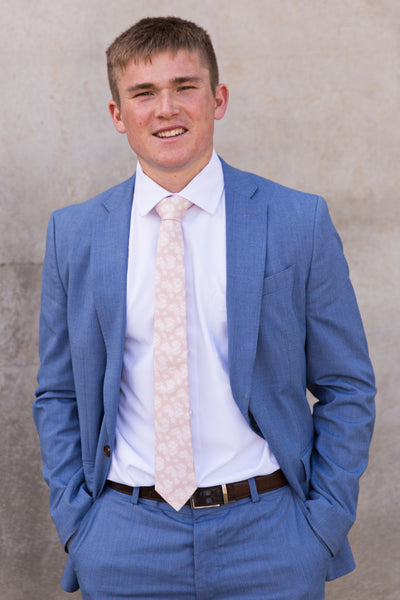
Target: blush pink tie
175, 478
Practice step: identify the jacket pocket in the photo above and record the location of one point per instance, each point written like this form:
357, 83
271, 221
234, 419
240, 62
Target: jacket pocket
279, 281
306, 461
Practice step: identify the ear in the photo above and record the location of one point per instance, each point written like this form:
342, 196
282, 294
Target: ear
221, 101
116, 116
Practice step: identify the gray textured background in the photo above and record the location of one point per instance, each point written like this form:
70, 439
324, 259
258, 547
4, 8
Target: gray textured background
315, 89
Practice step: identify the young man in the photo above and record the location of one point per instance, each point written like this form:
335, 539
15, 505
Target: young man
176, 351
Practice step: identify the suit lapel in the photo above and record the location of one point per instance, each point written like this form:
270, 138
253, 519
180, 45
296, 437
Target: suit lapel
110, 242
246, 242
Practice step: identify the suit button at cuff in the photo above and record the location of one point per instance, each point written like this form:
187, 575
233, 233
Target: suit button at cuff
107, 451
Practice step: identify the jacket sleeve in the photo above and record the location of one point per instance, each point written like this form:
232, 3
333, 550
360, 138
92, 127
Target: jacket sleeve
340, 376
55, 408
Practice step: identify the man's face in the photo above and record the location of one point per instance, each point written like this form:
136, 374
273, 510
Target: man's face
167, 110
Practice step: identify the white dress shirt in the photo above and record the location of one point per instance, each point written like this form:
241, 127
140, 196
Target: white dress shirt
225, 448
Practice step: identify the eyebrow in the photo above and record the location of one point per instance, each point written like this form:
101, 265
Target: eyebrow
150, 86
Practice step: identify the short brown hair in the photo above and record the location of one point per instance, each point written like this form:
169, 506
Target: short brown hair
157, 34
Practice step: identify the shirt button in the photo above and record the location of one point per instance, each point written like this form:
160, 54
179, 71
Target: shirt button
107, 451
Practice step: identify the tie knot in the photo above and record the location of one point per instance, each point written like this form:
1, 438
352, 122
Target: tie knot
172, 208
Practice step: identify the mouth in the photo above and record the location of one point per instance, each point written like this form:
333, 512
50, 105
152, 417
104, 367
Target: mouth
169, 133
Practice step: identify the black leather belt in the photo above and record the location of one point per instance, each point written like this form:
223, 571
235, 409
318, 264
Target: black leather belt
215, 495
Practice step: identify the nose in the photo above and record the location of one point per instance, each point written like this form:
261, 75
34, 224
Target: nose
167, 106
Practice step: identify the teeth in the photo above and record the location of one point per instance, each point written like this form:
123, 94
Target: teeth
170, 133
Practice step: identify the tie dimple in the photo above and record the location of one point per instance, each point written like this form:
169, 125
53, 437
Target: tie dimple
172, 208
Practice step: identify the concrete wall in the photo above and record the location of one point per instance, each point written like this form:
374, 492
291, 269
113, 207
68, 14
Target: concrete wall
315, 92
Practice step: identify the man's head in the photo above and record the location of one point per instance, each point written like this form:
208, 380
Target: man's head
166, 97
153, 35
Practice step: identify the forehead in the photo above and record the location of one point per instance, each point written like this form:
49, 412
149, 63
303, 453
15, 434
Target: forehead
167, 64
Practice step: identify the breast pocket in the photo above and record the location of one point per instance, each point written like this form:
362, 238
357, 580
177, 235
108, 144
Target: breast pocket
279, 281
279, 333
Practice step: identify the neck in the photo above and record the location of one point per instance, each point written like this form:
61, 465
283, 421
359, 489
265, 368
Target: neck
174, 181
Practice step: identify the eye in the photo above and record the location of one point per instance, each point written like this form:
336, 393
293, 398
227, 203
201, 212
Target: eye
143, 94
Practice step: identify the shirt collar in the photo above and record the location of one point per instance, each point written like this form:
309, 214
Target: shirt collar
204, 190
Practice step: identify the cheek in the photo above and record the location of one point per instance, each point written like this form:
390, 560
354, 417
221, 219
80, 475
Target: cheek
137, 132
135, 121
207, 124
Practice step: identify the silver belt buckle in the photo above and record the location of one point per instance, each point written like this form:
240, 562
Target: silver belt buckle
224, 496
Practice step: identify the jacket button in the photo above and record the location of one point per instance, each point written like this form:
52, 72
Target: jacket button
107, 451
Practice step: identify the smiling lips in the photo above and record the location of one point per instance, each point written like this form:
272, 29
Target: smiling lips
170, 132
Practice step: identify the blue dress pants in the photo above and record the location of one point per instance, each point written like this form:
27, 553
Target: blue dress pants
256, 548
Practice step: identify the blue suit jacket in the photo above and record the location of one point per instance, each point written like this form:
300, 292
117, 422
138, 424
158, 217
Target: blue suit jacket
293, 323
